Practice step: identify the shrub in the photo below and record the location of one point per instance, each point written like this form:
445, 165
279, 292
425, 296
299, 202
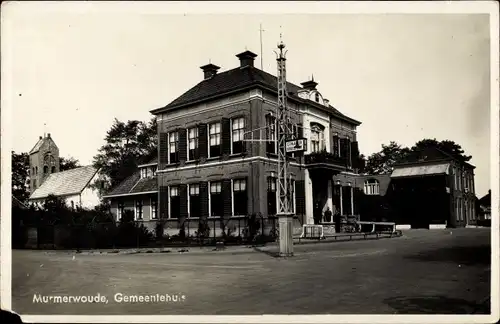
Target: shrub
203, 229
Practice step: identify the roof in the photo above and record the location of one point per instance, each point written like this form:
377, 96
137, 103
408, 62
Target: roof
134, 185
17, 203
420, 170
153, 161
65, 183
39, 144
486, 199
239, 79
429, 155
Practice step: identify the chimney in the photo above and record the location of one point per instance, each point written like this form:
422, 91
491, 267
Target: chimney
246, 58
209, 70
39, 137
48, 135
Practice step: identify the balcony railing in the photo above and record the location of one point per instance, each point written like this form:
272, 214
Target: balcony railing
326, 158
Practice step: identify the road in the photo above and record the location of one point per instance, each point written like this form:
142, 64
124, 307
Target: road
423, 272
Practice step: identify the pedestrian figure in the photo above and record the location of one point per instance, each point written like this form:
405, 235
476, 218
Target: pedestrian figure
328, 215
337, 221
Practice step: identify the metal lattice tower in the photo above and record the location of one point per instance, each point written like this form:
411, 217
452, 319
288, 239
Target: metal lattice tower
284, 133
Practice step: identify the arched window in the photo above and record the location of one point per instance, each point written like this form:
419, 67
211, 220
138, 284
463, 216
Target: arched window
36, 170
53, 169
372, 187
317, 137
45, 169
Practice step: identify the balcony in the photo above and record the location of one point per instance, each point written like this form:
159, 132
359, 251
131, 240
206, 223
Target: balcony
324, 161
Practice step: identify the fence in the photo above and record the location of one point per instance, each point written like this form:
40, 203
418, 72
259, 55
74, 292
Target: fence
235, 230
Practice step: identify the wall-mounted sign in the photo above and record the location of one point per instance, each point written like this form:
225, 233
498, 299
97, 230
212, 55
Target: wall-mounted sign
296, 145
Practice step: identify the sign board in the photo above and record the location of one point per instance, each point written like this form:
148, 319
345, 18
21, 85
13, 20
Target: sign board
296, 145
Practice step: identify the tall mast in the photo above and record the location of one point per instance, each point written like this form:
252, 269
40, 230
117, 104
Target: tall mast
283, 121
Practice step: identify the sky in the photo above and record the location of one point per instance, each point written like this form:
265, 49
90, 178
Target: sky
404, 76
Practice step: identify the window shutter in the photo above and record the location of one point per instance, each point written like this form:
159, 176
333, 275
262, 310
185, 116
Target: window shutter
336, 149
163, 148
300, 134
204, 199
182, 144
226, 136
348, 151
226, 198
202, 141
300, 197
183, 213
343, 148
163, 204
355, 155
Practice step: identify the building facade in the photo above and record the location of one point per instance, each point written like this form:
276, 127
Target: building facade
432, 188
217, 156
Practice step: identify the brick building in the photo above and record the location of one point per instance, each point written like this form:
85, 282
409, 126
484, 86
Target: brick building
208, 168
433, 188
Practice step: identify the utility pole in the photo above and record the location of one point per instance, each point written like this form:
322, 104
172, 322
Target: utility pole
284, 184
261, 58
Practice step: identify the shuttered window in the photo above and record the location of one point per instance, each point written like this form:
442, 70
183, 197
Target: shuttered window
120, 211
336, 146
216, 201
238, 133
138, 209
193, 143
194, 200
215, 140
271, 134
240, 198
173, 147
154, 207
175, 206
202, 141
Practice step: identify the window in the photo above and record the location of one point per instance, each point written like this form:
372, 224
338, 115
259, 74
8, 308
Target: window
34, 171
143, 173
238, 127
138, 210
336, 145
194, 200
317, 139
45, 169
271, 134
120, 211
34, 183
173, 147
53, 169
272, 197
154, 208
216, 202
240, 197
214, 134
193, 143
372, 187
175, 202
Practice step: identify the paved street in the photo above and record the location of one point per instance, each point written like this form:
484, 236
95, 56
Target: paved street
423, 272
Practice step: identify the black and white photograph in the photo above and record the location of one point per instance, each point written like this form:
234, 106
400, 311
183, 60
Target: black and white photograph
307, 161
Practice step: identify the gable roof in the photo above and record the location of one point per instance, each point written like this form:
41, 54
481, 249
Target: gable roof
40, 142
65, 183
239, 79
134, 185
486, 199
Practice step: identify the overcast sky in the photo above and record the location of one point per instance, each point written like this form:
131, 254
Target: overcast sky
405, 77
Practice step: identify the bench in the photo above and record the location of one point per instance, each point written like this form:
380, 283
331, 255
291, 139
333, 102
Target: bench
312, 232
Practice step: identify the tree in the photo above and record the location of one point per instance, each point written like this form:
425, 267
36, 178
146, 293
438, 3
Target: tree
20, 176
383, 162
126, 146
446, 146
68, 163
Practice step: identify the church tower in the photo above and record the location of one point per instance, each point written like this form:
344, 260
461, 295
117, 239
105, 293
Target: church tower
44, 160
